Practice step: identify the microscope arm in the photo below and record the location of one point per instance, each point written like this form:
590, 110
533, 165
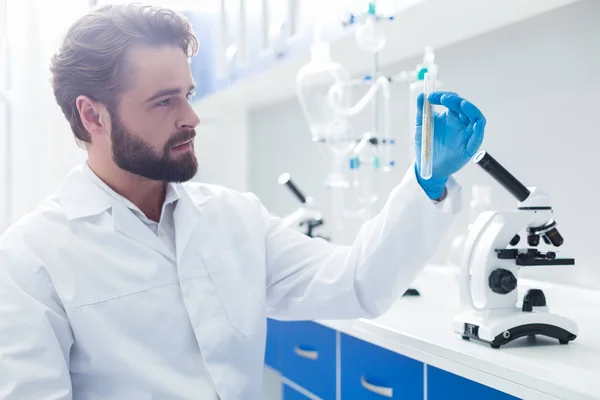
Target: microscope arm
493, 231
307, 215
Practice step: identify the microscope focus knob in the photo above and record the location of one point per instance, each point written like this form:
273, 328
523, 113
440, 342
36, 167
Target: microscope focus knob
536, 297
515, 240
502, 281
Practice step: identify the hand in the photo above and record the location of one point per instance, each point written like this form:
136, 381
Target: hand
457, 136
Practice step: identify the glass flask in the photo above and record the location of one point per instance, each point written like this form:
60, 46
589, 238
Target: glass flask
365, 164
313, 84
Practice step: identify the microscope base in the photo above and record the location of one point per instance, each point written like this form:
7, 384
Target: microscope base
498, 327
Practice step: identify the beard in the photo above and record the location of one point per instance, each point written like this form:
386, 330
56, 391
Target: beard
133, 154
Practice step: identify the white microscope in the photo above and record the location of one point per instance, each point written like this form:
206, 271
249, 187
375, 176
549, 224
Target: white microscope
490, 265
307, 217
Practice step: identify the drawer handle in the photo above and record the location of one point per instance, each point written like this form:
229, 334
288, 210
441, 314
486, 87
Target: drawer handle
311, 355
380, 390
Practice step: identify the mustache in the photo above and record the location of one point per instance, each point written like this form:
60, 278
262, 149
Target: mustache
181, 136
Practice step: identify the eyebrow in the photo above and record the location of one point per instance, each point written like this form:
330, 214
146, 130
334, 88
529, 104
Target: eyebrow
167, 92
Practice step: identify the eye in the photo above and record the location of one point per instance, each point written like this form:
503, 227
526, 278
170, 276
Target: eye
163, 103
190, 96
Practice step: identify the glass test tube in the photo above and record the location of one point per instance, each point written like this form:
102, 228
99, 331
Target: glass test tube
427, 128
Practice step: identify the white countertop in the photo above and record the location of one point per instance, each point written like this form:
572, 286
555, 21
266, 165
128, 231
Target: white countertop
424, 324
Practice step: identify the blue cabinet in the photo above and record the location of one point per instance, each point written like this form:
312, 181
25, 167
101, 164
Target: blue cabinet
291, 394
272, 346
372, 372
306, 353
308, 357
443, 385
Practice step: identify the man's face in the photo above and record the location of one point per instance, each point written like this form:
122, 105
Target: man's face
153, 127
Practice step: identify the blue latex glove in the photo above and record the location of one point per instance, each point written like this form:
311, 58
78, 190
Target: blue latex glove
457, 136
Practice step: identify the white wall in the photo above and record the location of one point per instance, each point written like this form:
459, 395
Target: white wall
537, 83
4, 211
222, 150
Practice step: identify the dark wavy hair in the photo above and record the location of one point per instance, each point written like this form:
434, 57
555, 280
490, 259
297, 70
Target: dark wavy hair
90, 60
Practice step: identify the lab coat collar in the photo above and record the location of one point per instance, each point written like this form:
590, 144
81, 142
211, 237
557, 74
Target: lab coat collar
126, 222
186, 216
81, 198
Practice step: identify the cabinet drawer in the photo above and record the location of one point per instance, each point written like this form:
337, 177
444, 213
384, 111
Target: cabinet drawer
443, 385
308, 356
291, 394
272, 357
372, 372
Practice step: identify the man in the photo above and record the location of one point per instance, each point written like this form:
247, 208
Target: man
129, 284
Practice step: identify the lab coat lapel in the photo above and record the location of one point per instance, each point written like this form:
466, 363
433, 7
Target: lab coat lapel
186, 216
127, 223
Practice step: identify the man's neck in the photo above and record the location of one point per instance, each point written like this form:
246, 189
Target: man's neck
146, 194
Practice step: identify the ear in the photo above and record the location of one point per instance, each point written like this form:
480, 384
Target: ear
94, 115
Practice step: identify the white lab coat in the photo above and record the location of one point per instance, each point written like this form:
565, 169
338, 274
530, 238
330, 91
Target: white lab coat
93, 305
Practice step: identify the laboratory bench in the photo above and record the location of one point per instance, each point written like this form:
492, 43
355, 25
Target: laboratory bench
412, 352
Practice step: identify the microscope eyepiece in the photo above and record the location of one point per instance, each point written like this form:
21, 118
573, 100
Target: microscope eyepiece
501, 175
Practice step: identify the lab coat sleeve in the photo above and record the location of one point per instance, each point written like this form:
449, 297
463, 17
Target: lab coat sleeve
315, 279
35, 336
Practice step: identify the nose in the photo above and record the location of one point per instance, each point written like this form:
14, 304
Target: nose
189, 120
